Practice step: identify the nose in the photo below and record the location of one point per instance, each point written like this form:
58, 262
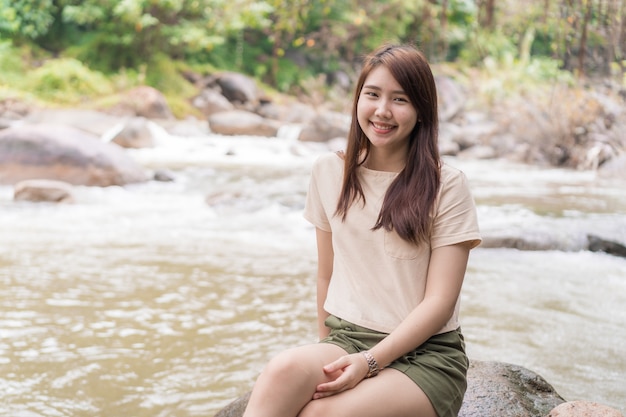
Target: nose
383, 110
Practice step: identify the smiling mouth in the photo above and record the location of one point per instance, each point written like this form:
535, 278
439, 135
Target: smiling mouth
382, 127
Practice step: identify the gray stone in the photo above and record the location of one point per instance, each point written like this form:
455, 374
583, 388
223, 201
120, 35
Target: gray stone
43, 191
599, 244
494, 390
497, 389
583, 409
210, 101
135, 134
326, 126
241, 122
65, 154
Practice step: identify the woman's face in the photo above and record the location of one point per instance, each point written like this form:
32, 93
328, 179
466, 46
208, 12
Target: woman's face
384, 111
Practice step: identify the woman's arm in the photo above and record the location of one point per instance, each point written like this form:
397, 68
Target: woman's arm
446, 271
325, 256
443, 286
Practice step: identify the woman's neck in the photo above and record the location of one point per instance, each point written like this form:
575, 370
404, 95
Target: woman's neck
378, 161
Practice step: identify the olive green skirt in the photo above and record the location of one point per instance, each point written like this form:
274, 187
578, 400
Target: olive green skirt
438, 366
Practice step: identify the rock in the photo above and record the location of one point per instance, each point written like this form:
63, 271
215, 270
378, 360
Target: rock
497, 389
289, 113
91, 121
598, 244
164, 175
494, 390
135, 134
238, 88
241, 122
478, 152
146, 102
450, 97
326, 126
475, 134
13, 109
583, 409
614, 168
43, 190
210, 101
236, 408
65, 154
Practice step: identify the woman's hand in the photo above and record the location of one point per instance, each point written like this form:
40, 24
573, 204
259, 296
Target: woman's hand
345, 373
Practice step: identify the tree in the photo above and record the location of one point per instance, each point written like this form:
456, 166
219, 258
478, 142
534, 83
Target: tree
26, 19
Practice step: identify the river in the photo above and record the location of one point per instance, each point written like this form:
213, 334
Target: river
167, 298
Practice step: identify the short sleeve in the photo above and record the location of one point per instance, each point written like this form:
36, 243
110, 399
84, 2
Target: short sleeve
455, 219
314, 209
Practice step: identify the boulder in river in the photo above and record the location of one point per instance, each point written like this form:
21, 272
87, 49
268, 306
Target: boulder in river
49, 191
135, 134
494, 390
242, 122
325, 126
64, 154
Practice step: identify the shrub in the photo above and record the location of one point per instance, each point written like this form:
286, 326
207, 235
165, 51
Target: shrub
66, 81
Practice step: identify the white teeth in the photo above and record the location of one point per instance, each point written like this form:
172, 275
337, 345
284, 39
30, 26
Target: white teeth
382, 127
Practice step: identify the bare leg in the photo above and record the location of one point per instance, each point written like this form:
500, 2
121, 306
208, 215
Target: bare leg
288, 382
390, 394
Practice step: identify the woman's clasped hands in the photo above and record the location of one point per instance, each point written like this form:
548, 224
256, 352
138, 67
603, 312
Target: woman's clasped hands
345, 373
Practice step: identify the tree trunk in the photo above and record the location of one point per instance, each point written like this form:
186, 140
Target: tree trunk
444, 29
582, 50
621, 43
490, 13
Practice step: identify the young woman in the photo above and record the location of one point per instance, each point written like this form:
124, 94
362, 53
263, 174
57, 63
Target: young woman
394, 229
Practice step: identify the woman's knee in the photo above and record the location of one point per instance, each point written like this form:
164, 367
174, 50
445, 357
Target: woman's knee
289, 366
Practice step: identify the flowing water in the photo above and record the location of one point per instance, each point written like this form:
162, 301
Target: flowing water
167, 298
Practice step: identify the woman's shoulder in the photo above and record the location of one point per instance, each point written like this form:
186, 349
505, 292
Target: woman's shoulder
450, 173
452, 177
329, 160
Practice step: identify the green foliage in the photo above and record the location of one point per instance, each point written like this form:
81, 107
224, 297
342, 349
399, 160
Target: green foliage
507, 78
164, 74
11, 65
484, 44
26, 18
66, 81
289, 75
284, 42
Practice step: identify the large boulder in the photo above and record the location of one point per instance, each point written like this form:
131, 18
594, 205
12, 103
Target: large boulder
65, 154
92, 121
242, 122
494, 390
144, 101
135, 134
326, 126
614, 168
450, 96
238, 88
209, 101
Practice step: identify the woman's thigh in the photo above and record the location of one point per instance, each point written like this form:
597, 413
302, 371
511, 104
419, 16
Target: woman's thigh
289, 380
391, 393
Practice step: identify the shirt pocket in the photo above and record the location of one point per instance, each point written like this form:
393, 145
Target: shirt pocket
398, 248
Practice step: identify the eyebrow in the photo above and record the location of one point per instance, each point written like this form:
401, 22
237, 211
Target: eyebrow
373, 87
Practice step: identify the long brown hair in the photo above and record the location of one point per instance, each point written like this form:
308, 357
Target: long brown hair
411, 196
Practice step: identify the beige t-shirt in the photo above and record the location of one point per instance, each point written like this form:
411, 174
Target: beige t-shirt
378, 278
